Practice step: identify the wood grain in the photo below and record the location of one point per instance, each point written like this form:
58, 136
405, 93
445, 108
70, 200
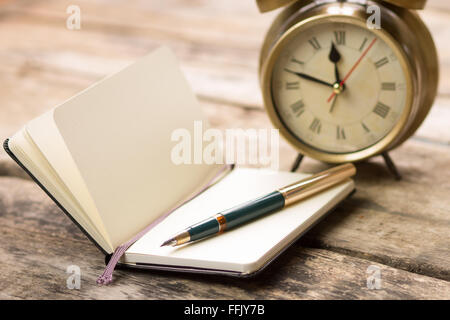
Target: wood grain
215, 62
402, 227
41, 243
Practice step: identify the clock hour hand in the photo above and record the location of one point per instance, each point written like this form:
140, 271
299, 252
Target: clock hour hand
335, 57
308, 77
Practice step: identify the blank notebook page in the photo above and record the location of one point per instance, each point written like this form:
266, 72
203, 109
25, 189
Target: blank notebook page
243, 249
119, 134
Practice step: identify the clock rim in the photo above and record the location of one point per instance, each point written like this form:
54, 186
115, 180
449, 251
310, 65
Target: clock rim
269, 5
327, 156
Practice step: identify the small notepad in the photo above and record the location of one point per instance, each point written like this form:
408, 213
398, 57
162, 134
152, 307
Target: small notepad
104, 156
243, 250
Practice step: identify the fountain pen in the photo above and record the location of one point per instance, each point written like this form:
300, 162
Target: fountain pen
264, 205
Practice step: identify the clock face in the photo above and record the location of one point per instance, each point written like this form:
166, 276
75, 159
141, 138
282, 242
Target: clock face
339, 87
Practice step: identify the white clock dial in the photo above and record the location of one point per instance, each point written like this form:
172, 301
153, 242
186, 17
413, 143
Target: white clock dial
369, 93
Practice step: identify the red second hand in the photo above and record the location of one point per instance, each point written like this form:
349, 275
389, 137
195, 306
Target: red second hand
353, 68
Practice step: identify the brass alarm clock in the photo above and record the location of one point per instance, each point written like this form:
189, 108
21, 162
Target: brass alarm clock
340, 90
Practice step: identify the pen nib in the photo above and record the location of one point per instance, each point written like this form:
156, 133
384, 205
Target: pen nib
170, 242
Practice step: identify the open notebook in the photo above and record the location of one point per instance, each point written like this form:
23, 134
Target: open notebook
104, 156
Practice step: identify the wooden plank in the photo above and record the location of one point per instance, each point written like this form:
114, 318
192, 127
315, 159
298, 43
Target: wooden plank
209, 54
216, 62
84, 67
437, 21
31, 90
42, 243
27, 93
435, 127
215, 78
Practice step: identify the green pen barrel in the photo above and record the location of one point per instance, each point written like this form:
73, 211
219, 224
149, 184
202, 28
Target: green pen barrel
253, 209
204, 229
238, 215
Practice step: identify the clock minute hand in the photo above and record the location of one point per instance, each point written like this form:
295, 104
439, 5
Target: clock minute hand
308, 77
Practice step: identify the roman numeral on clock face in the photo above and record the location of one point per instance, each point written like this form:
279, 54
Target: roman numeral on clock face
292, 85
339, 37
316, 126
388, 86
381, 109
381, 62
315, 44
297, 61
298, 108
366, 129
340, 133
363, 44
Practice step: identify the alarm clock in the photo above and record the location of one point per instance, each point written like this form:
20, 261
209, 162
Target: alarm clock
340, 89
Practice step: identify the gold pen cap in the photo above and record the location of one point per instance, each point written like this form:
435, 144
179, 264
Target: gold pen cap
316, 183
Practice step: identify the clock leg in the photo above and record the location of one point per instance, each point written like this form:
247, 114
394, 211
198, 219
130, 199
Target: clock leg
391, 166
297, 162
387, 159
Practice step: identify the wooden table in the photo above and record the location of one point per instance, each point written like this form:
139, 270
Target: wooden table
401, 227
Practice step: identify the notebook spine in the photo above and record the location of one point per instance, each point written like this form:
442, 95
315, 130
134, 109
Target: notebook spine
11, 154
